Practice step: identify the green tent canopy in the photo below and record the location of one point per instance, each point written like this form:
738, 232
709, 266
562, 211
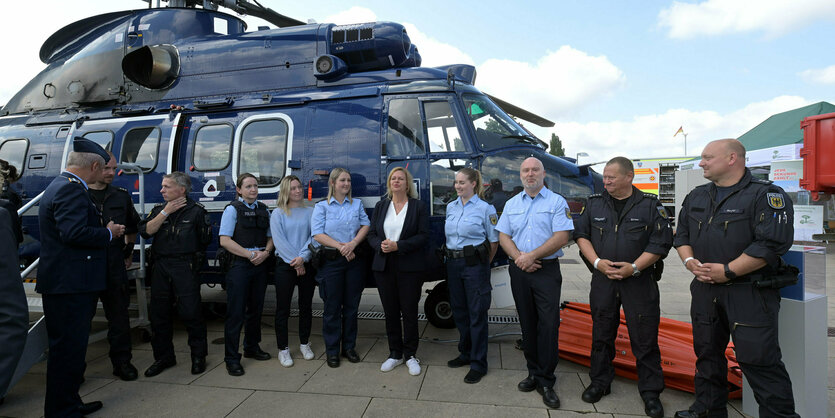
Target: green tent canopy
782, 128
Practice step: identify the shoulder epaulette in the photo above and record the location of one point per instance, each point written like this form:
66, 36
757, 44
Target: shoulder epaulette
595, 195
122, 189
761, 181
160, 204
73, 180
651, 196
196, 203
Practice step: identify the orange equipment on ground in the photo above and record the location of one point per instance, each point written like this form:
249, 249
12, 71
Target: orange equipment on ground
675, 339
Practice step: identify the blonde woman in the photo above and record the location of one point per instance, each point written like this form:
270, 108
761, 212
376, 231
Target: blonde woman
398, 234
339, 223
290, 226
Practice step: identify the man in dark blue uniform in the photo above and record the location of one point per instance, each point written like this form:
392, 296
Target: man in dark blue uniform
730, 234
181, 230
71, 274
625, 232
116, 204
14, 312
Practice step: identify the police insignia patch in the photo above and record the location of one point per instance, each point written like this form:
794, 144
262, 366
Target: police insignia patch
775, 200
494, 219
663, 212
568, 213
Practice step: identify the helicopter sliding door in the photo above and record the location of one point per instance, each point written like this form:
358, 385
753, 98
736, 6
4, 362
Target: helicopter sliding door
216, 148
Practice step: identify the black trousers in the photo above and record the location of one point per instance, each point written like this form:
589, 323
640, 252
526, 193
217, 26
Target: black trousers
115, 300
400, 294
286, 281
246, 285
68, 319
750, 315
640, 300
537, 297
173, 281
470, 297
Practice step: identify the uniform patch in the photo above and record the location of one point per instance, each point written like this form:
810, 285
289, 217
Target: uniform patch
568, 213
73, 180
775, 200
663, 212
494, 219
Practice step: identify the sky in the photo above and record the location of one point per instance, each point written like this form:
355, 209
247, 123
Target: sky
617, 77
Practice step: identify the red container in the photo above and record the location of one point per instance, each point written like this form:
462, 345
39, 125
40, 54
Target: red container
818, 154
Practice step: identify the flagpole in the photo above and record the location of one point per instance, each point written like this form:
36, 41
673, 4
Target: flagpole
685, 144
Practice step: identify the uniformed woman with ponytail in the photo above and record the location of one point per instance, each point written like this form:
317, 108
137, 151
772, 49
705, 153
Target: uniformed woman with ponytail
245, 233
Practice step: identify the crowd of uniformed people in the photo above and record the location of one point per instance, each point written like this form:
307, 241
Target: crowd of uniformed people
88, 228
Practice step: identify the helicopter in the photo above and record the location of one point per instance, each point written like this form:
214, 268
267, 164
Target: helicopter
186, 87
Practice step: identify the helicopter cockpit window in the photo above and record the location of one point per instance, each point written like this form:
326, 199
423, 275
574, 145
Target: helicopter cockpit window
140, 147
441, 127
404, 136
103, 138
442, 173
13, 152
493, 127
212, 147
501, 175
263, 150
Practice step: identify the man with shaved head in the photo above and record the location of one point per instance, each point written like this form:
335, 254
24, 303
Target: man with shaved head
534, 226
730, 235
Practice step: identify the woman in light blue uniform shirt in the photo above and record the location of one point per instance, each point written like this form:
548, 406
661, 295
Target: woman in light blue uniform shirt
471, 242
339, 224
245, 233
290, 226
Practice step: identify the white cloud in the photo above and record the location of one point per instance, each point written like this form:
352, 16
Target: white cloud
433, 52
717, 17
652, 135
558, 82
819, 75
355, 14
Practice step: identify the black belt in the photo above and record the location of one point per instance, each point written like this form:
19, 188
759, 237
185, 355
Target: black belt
454, 253
331, 253
174, 256
545, 261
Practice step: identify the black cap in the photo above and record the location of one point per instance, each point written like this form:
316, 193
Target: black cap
80, 144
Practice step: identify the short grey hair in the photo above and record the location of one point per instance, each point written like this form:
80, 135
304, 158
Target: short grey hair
180, 178
84, 159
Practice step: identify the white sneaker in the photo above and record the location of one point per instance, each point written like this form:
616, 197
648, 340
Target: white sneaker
390, 364
307, 352
284, 357
414, 366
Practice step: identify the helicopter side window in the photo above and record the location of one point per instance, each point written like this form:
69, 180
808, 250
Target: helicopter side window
404, 136
140, 147
103, 138
13, 152
442, 186
441, 127
212, 147
263, 150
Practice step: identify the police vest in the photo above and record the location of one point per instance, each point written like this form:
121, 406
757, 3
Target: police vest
252, 225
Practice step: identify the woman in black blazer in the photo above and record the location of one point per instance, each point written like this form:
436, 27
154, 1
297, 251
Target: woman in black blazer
399, 232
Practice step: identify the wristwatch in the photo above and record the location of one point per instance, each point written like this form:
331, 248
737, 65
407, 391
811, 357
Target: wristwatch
635, 272
728, 273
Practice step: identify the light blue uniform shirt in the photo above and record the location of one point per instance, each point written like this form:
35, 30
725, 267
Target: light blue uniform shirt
230, 218
470, 224
340, 221
531, 222
291, 233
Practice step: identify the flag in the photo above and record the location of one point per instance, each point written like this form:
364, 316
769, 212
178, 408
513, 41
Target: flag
679, 131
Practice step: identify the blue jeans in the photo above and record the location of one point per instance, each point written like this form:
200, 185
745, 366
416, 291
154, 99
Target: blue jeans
340, 286
246, 285
469, 295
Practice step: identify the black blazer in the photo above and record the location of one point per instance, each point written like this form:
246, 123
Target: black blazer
413, 238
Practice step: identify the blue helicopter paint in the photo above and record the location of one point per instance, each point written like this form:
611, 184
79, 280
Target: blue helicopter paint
189, 89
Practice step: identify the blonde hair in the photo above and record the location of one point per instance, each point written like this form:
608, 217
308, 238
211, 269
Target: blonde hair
474, 175
335, 173
410, 186
284, 193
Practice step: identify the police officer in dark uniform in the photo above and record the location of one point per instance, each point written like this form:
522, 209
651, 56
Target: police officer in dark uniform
625, 232
730, 234
181, 230
115, 204
14, 312
71, 274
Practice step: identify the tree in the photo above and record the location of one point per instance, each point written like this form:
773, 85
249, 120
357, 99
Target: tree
556, 146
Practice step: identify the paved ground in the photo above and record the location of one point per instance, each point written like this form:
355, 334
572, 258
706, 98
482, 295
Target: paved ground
311, 389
